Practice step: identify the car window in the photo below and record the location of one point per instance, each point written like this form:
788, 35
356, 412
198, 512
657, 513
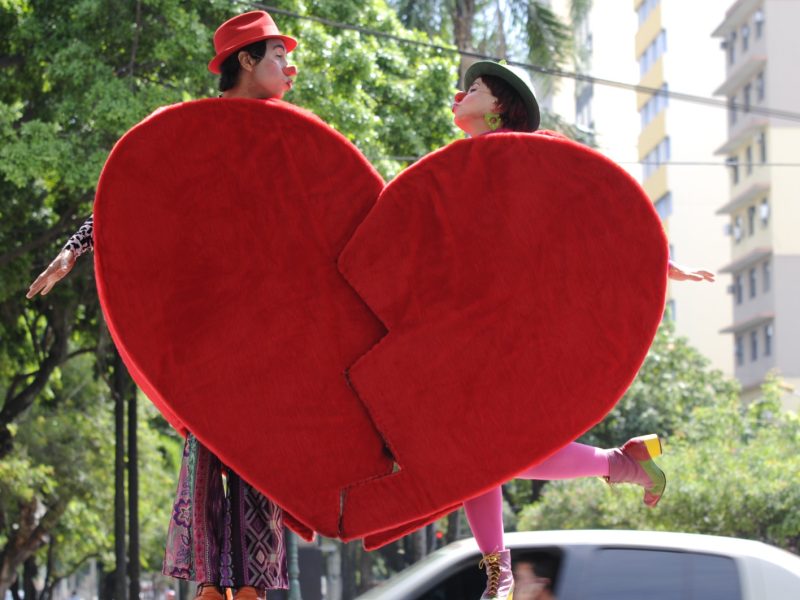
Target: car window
530, 571
627, 574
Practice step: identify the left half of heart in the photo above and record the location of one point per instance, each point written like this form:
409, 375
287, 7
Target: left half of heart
217, 228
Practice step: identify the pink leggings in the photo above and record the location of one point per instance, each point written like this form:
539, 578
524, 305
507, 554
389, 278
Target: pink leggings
485, 512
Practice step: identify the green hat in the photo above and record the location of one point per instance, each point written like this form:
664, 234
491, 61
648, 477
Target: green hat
516, 78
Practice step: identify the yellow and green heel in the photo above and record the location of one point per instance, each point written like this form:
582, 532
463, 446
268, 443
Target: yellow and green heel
633, 463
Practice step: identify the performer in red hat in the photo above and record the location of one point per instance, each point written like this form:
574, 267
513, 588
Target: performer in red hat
220, 535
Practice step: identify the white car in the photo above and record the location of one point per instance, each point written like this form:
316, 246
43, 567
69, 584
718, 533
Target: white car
609, 565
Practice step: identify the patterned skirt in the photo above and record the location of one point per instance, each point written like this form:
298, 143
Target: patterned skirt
222, 530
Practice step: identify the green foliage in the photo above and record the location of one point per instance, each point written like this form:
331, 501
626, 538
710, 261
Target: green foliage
673, 381
390, 99
64, 451
730, 471
74, 76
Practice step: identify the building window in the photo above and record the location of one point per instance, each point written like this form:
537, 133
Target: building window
733, 163
654, 106
764, 212
653, 52
766, 275
762, 147
751, 278
751, 220
768, 334
731, 110
748, 157
664, 206
758, 19
739, 344
670, 310
746, 93
732, 48
656, 157
745, 37
737, 229
645, 8
737, 288
753, 345
760, 86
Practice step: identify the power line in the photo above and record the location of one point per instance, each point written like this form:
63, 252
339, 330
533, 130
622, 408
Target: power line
641, 162
768, 112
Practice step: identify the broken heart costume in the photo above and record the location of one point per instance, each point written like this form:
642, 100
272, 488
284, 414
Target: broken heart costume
445, 313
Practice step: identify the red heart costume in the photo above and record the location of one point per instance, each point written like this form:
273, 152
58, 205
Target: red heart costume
520, 277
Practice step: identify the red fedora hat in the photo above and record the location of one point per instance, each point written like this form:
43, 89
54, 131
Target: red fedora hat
242, 30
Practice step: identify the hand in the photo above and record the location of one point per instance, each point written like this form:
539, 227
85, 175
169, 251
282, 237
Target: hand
58, 269
679, 273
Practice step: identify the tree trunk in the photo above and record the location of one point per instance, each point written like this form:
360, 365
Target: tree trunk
453, 527
366, 580
133, 496
349, 590
17, 401
463, 18
49, 581
15, 589
419, 545
118, 391
29, 571
105, 583
502, 49
31, 535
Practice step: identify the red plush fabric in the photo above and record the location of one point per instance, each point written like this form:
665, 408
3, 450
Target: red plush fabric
217, 228
521, 278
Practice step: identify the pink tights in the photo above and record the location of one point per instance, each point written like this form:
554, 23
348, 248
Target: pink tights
485, 512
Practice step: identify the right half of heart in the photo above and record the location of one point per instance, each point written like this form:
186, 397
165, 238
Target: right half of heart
521, 278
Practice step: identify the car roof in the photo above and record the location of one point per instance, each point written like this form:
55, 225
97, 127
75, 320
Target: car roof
530, 540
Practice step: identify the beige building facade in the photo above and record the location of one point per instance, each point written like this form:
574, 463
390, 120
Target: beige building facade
680, 172
668, 145
761, 83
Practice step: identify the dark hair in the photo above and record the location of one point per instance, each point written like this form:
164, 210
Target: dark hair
512, 109
230, 67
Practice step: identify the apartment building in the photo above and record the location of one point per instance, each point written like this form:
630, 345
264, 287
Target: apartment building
761, 147
680, 173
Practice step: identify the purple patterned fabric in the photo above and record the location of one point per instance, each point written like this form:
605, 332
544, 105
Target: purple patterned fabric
230, 535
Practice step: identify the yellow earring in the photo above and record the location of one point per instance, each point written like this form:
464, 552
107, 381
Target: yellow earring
493, 120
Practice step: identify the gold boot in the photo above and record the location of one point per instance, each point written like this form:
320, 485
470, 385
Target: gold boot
248, 592
208, 591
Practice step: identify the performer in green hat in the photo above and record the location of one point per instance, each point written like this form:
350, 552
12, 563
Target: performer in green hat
499, 98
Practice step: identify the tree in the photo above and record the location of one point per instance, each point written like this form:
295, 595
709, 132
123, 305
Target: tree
727, 469
74, 76
56, 486
673, 380
492, 27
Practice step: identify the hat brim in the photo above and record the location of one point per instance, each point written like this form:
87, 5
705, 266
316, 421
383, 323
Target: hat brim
216, 62
489, 67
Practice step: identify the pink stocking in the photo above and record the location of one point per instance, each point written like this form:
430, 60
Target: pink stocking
571, 462
485, 516
485, 512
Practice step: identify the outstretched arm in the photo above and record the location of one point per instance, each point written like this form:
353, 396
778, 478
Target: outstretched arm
62, 264
679, 273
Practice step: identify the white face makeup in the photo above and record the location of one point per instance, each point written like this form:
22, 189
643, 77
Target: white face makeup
471, 106
271, 77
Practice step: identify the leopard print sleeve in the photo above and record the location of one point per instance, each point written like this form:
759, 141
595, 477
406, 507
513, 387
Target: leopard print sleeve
81, 241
